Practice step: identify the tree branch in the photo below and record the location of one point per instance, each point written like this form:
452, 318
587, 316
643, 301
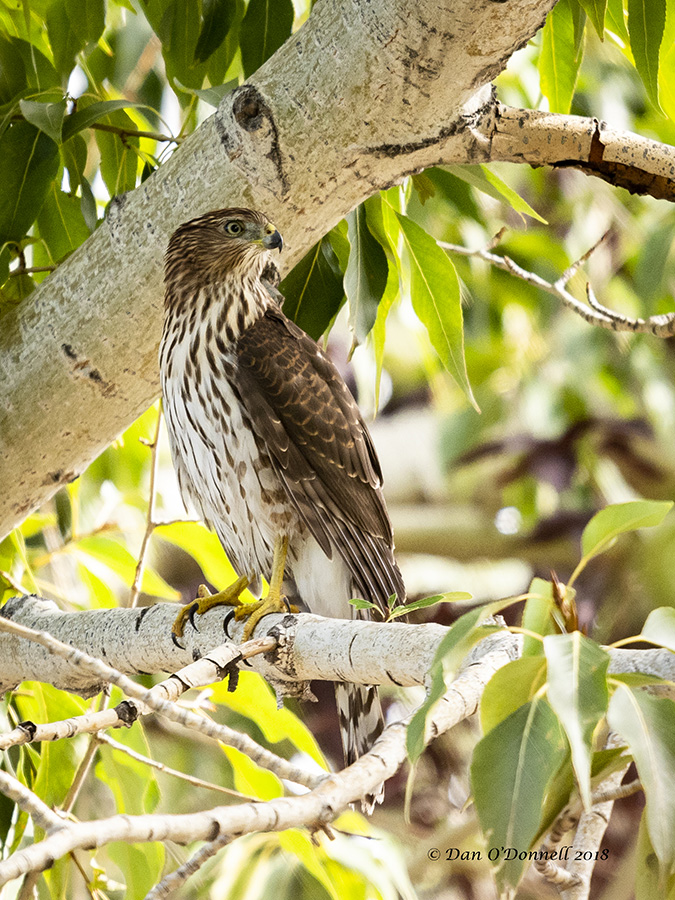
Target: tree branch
662, 326
316, 808
622, 158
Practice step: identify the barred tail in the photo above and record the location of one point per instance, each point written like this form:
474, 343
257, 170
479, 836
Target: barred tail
361, 723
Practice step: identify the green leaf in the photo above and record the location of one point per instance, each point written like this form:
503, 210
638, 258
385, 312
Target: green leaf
266, 25
464, 634
116, 557
660, 627
74, 158
63, 37
646, 21
30, 161
436, 299
511, 769
313, 289
218, 16
647, 724
511, 687
250, 778
648, 880
48, 117
616, 20
83, 118
559, 59
179, 33
485, 180
119, 161
448, 597
135, 790
61, 223
22, 67
365, 278
577, 691
595, 10
538, 615
360, 603
210, 95
606, 525
87, 19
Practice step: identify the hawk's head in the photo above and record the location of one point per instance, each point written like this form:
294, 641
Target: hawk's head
221, 243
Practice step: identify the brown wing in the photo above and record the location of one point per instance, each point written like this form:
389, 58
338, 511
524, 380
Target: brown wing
313, 430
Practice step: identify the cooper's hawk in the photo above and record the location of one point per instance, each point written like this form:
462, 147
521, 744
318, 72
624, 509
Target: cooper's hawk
268, 443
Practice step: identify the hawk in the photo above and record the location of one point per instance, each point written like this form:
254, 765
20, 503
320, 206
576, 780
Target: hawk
269, 445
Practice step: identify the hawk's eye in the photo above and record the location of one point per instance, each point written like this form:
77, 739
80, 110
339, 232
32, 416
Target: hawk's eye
234, 228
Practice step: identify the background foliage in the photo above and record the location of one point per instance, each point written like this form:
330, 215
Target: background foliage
93, 97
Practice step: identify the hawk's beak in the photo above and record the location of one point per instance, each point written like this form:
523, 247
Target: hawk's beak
273, 241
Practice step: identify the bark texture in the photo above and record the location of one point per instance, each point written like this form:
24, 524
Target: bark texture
363, 94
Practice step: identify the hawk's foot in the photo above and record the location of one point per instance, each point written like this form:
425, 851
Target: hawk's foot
253, 612
205, 600
274, 602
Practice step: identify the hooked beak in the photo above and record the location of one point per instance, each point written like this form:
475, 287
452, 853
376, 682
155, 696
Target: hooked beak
273, 241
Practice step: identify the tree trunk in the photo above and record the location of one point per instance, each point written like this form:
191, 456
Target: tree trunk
362, 95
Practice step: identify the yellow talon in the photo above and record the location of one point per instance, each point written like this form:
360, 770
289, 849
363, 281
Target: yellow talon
254, 612
205, 600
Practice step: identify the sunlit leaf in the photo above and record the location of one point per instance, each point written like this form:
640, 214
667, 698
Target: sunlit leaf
511, 687
255, 700
436, 300
595, 10
649, 881
646, 21
647, 724
250, 778
538, 615
577, 691
485, 180
660, 627
559, 60
619, 518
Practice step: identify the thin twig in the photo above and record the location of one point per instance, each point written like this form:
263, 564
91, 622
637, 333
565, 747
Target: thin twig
133, 133
30, 803
155, 764
176, 879
150, 522
87, 760
30, 270
662, 326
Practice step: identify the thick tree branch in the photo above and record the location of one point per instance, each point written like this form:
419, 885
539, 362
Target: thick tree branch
622, 158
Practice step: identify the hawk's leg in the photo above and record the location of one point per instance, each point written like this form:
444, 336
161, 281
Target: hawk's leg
205, 601
274, 602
